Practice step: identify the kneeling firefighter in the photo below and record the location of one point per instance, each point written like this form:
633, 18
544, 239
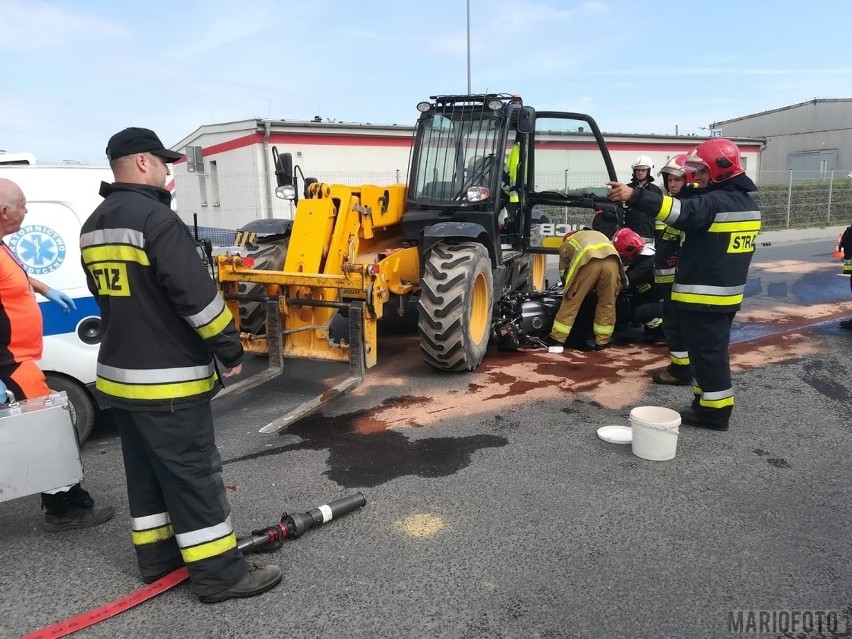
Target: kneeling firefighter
589, 264
639, 302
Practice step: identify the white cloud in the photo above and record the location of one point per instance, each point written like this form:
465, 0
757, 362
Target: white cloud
34, 26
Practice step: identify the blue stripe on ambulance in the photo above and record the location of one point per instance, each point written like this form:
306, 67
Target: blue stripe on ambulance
57, 322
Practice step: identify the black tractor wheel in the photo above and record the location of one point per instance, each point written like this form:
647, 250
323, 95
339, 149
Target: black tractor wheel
269, 255
455, 306
82, 405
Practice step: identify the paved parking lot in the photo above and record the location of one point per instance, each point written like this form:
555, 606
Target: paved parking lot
495, 511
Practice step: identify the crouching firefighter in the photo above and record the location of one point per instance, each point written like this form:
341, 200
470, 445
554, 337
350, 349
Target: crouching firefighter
589, 264
163, 321
720, 225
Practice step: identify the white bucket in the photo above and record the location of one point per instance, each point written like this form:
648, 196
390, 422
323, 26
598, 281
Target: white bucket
655, 431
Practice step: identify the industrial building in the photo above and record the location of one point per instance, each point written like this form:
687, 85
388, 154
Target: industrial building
228, 177
812, 139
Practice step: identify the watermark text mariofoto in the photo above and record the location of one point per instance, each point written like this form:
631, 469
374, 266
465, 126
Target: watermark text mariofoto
829, 623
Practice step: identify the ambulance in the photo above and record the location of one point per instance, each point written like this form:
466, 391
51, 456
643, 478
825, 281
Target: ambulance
59, 199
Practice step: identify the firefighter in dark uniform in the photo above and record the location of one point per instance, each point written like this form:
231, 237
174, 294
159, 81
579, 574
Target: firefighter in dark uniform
846, 246
720, 227
676, 183
163, 321
639, 302
642, 179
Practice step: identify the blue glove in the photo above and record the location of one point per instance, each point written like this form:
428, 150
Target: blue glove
2, 392
62, 299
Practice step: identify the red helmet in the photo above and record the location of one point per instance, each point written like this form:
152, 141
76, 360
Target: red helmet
720, 156
628, 243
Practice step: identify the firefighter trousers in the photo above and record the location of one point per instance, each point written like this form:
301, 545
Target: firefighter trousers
675, 338
601, 276
708, 336
178, 507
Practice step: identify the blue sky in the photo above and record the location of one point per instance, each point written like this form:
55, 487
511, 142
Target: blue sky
76, 71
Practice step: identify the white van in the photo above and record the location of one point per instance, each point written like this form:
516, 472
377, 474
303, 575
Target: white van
59, 199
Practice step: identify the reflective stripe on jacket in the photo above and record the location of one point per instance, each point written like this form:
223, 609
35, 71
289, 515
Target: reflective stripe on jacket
668, 246
581, 247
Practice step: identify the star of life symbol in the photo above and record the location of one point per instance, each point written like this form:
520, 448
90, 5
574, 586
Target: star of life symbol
39, 249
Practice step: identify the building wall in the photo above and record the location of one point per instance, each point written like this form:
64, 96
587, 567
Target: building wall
235, 189
820, 128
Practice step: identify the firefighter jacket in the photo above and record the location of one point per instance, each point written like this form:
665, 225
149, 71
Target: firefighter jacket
580, 248
720, 228
163, 318
668, 243
846, 245
637, 220
640, 277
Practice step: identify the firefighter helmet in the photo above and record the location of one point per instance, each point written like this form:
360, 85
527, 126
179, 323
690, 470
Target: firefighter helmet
628, 243
674, 166
720, 156
643, 162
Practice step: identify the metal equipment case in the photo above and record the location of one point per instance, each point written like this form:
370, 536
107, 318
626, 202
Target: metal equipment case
38, 446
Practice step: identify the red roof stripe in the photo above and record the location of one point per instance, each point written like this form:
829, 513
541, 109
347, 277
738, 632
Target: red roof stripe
405, 142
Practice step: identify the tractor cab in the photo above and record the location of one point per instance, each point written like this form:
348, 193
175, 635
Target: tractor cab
459, 170
525, 178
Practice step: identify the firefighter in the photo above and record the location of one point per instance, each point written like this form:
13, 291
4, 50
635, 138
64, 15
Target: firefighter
639, 302
642, 179
163, 321
589, 264
668, 244
846, 246
720, 225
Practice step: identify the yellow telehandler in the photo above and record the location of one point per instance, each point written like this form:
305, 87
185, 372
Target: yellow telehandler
491, 186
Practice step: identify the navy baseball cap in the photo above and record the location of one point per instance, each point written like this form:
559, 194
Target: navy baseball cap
137, 140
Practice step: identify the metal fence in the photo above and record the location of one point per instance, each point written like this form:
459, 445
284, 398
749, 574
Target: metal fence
222, 203
804, 199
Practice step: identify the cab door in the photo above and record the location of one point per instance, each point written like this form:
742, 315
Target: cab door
566, 171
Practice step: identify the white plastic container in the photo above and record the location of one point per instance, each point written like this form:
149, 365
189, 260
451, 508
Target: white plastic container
655, 431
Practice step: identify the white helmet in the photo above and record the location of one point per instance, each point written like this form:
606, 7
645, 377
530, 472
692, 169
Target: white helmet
674, 166
643, 162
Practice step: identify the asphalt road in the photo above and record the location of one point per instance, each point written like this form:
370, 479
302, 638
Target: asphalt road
493, 508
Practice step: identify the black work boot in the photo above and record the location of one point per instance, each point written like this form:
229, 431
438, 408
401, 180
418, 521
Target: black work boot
690, 418
665, 377
72, 509
256, 582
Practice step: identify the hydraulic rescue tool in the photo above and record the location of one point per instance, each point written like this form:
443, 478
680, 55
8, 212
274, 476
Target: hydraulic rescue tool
291, 526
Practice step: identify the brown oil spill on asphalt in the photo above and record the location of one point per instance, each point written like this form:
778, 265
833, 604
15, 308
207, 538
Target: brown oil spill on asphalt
615, 378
